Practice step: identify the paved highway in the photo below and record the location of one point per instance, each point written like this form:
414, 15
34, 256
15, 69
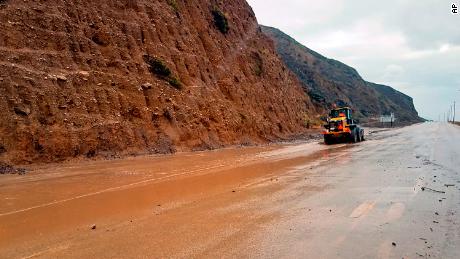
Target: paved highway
396, 195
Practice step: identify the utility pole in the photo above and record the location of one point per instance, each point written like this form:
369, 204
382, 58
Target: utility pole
453, 120
448, 113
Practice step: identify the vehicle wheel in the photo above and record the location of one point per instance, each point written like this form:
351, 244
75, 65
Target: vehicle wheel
362, 136
354, 137
359, 137
327, 140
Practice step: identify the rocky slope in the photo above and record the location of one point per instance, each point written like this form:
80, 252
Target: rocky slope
107, 78
330, 82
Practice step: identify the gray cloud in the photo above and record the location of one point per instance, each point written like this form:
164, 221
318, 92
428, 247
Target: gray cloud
411, 45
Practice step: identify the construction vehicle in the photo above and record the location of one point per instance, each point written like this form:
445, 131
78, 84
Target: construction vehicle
341, 127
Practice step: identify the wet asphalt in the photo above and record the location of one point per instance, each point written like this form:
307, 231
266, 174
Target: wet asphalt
396, 195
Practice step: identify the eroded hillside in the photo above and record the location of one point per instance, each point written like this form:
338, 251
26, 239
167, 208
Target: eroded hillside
88, 78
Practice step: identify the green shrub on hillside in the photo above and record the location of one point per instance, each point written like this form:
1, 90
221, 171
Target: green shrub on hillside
220, 20
160, 69
157, 66
174, 82
172, 3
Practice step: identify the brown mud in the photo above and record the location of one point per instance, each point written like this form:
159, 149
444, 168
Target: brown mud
304, 200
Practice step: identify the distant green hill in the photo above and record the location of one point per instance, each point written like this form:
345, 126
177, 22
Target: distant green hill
329, 82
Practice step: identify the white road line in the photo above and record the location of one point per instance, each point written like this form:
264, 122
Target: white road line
363, 209
107, 190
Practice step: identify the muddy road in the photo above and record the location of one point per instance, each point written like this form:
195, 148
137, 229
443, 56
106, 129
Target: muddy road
396, 195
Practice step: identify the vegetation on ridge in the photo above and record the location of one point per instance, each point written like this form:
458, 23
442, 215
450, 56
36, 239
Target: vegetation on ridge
220, 20
159, 68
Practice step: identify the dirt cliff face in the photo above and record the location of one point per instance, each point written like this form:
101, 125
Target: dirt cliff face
88, 78
330, 82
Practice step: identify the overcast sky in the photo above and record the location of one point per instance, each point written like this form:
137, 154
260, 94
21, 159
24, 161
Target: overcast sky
413, 46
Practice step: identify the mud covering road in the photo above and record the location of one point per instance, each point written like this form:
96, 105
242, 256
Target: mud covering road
396, 195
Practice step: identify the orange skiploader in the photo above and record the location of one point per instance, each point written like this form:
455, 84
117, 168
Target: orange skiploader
341, 127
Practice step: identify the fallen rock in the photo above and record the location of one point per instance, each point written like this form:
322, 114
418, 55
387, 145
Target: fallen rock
93, 227
61, 78
146, 86
8, 169
83, 73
